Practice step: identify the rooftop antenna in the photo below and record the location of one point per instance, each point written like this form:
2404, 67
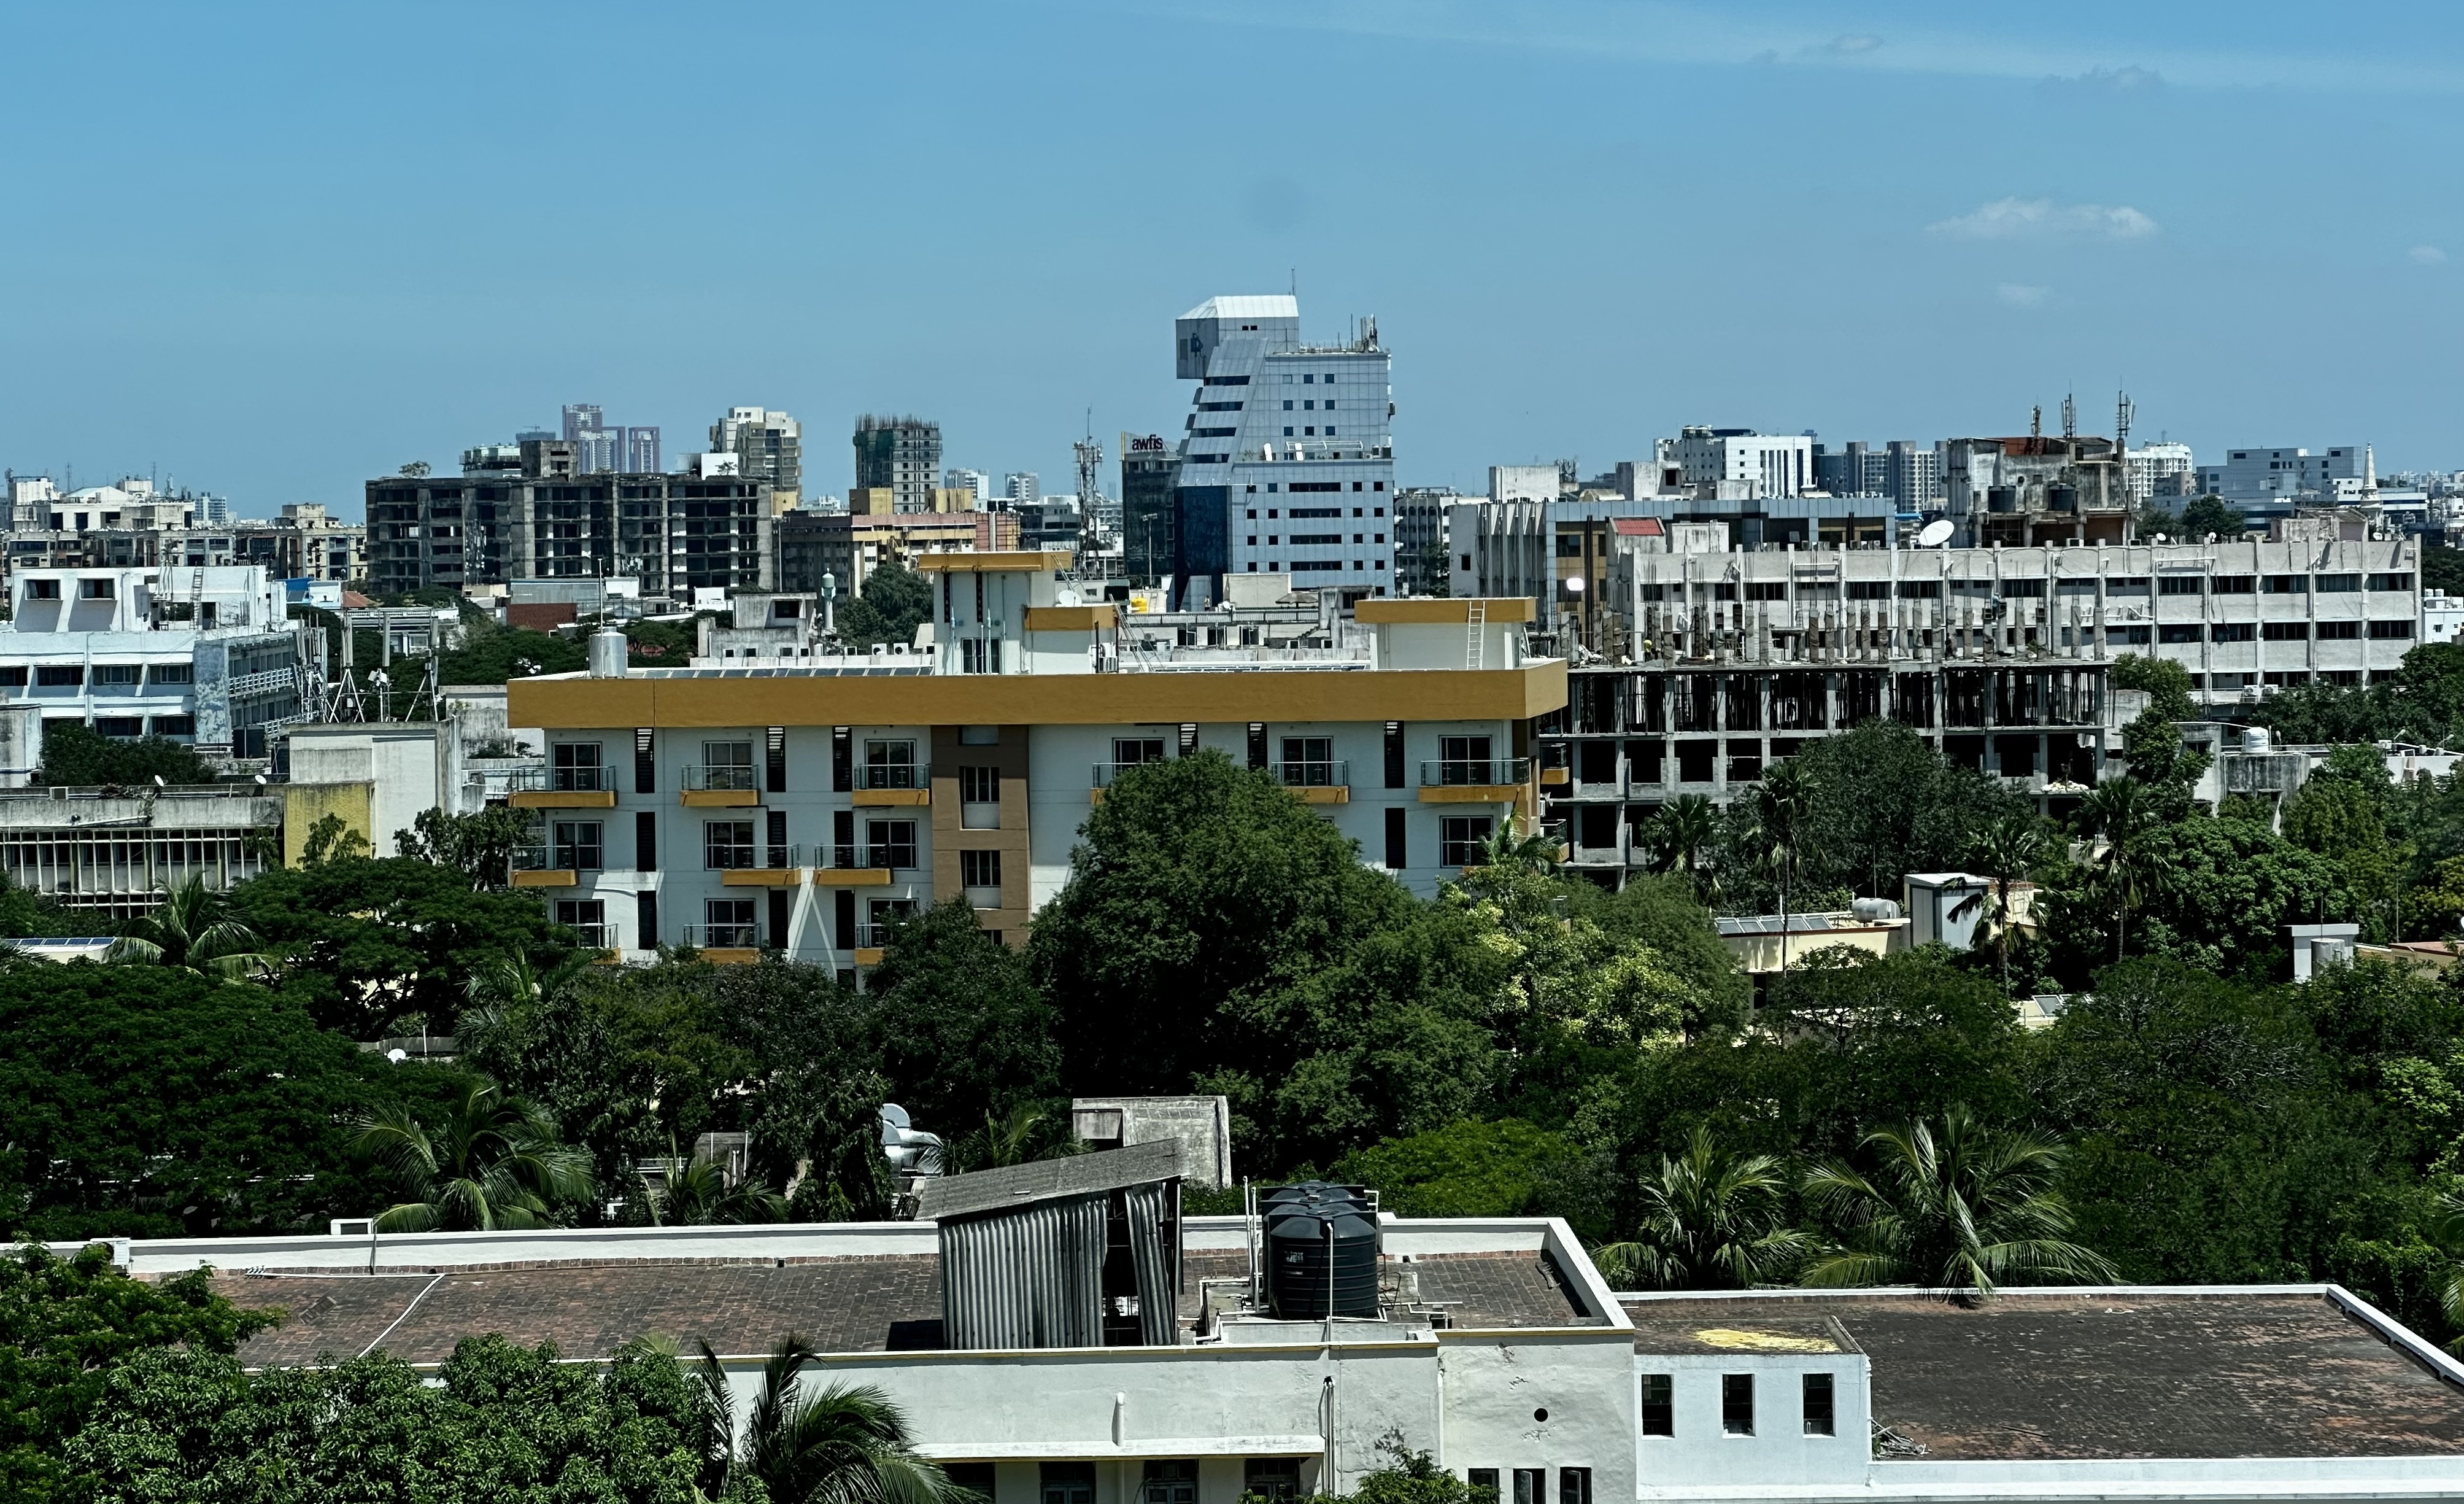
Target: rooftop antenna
1090, 462
2070, 417
2123, 411
2037, 421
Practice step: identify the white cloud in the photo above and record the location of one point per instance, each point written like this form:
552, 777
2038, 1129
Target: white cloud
2043, 220
2427, 256
2020, 295
1851, 45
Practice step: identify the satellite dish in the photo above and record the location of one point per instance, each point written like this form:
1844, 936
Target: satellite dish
397, 1055
1935, 534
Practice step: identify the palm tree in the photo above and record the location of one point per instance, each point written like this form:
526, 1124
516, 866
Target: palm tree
1783, 811
1003, 1141
492, 1162
2008, 850
1710, 1221
2121, 811
1531, 852
1954, 1208
845, 1445
1681, 833
698, 1194
2447, 1230
189, 932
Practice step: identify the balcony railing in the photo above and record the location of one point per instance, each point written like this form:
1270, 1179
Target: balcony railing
891, 856
893, 775
873, 936
565, 858
595, 936
719, 778
1478, 772
562, 780
750, 857
1107, 772
723, 936
1332, 774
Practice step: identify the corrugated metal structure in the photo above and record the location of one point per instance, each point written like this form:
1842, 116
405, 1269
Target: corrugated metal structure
1083, 1251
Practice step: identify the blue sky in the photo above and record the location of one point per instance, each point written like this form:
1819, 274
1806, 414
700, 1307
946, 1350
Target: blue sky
277, 249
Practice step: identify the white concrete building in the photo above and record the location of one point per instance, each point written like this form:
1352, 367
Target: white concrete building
1492, 1345
2266, 482
1767, 464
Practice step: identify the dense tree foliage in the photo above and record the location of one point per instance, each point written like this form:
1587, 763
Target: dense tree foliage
74, 755
896, 599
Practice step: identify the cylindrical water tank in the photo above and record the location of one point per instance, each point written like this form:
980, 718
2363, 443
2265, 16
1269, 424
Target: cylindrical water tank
1317, 1250
2257, 738
2002, 498
607, 653
2062, 499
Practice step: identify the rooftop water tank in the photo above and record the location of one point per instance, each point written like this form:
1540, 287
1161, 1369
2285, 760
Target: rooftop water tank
2256, 740
1319, 1250
607, 653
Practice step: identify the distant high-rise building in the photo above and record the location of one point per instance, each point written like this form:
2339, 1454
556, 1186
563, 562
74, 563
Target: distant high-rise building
642, 450
903, 454
974, 482
1023, 487
1149, 530
2268, 482
1761, 466
597, 448
1286, 458
1909, 473
769, 447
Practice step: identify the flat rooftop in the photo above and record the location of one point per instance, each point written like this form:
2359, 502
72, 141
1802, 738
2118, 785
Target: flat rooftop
857, 1303
2099, 1374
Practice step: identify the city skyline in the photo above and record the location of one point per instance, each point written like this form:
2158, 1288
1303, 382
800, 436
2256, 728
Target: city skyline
1580, 228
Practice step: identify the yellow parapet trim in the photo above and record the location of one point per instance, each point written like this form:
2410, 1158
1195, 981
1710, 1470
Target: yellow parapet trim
851, 876
1071, 618
731, 956
547, 877
995, 564
1443, 610
1555, 775
867, 955
563, 799
1471, 794
1339, 794
719, 798
760, 876
577, 702
886, 798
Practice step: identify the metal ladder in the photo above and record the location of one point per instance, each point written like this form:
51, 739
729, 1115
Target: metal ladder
1475, 639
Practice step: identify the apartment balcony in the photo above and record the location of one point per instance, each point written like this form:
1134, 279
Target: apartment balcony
1316, 782
725, 944
778, 867
1474, 781
561, 788
546, 867
719, 786
860, 866
884, 784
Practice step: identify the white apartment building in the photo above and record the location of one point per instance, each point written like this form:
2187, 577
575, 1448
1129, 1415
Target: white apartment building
2160, 469
798, 806
203, 655
1493, 1345
1523, 482
1766, 465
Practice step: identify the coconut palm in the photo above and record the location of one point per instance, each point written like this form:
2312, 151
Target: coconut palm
2121, 810
844, 1444
491, 1162
1532, 853
188, 931
696, 1193
1710, 1221
2007, 851
1003, 1141
1682, 834
1955, 1208
2447, 1230
1783, 810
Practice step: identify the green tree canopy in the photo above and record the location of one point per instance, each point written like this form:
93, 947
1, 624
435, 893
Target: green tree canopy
2207, 515
1465, 1169
896, 599
74, 755
1887, 804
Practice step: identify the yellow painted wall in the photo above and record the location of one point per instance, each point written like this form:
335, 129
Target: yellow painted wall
303, 805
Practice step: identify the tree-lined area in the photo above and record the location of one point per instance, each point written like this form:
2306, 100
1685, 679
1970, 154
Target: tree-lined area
1525, 1042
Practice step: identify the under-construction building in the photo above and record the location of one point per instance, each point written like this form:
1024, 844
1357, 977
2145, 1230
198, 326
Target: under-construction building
2037, 488
901, 454
527, 513
769, 447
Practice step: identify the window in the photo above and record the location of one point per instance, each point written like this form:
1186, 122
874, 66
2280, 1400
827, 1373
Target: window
979, 785
2389, 631
889, 764
2127, 636
1869, 589
1737, 1403
1465, 759
1921, 589
727, 764
1482, 1480
1659, 1406
1573, 1486
1173, 1482
93, 589
576, 846
2180, 584
2339, 631
1308, 762
1531, 1486
646, 768
2287, 584
1272, 1478
173, 673
131, 726
175, 725
42, 589
2285, 631
728, 924
1461, 839
14, 677
727, 845
2338, 584
587, 917
59, 674
1397, 847
2232, 632
1766, 590
893, 843
2234, 584
1131, 751
1819, 1418
2126, 585
2390, 581
116, 673
573, 766
2178, 633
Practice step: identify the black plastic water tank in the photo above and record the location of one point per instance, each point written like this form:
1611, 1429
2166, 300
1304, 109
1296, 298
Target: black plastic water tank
1302, 1237
2062, 499
2002, 498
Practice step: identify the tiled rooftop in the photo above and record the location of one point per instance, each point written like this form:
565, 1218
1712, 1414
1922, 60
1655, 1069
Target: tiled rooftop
2100, 1375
